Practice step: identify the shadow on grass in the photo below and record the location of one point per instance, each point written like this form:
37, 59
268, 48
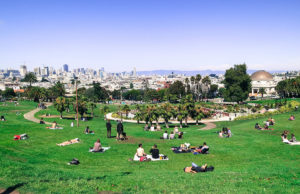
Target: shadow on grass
12, 188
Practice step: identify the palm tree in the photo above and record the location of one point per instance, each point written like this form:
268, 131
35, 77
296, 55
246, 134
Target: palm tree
166, 113
126, 109
82, 107
198, 114
156, 113
138, 116
61, 104
105, 110
92, 105
30, 77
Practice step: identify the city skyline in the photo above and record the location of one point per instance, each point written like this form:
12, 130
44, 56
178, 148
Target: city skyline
150, 35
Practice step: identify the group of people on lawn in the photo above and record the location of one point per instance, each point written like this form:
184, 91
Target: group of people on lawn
285, 139
268, 123
226, 132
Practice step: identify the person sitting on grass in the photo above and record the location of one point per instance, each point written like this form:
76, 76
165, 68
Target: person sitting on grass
271, 121
293, 138
146, 128
42, 121
229, 134
292, 118
202, 149
180, 135
158, 127
165, 135
154, 152
172, 135
152, 128
284, 139
195, 169
257, 126
88, 131
97, 146
221, 134
176, 130
3, 118
140, 151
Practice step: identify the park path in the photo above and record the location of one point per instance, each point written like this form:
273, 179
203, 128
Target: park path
30, 115
208, 126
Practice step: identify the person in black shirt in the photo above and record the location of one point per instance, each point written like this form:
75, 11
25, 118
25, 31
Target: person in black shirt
154, 152
119, 129
108, 127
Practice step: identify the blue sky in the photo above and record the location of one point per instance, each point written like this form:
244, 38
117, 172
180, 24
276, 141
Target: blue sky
150, 34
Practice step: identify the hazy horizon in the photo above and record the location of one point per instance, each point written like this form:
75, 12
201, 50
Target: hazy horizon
119, 35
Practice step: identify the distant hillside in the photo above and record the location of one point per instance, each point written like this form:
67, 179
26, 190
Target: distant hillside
190, 73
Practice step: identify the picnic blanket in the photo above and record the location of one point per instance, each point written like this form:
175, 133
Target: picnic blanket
293, 143
101, 151
76, 140
136, 158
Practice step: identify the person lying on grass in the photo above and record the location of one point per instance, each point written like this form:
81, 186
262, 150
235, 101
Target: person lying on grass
202, 149
140, 151
88, 131
53, 126
154, 152
97, 146
195, 168
76, 140
292, 118
257, 126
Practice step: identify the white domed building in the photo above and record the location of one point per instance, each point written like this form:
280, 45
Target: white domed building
262, 79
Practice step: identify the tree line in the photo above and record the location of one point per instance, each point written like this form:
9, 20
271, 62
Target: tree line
182, 112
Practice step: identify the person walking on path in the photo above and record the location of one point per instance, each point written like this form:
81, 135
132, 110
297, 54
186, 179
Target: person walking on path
108, 127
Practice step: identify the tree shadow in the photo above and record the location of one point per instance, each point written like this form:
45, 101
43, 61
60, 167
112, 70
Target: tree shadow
12, 188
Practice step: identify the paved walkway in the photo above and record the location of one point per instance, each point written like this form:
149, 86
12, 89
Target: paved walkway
208, 126
30, 115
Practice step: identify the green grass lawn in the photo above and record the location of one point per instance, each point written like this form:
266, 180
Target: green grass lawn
250, 162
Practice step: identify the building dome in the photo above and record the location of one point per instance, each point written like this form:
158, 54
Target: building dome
261, 76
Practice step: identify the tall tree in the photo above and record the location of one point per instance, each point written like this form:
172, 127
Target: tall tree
61, 105
177, 88
166, 113
30, 77
237, 83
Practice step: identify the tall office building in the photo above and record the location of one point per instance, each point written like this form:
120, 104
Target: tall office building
134, 72
66, 68
23, 70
